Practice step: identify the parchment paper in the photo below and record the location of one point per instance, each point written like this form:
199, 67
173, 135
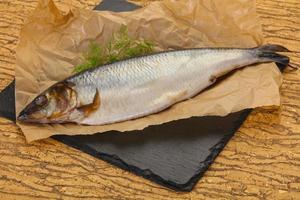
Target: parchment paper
51, 44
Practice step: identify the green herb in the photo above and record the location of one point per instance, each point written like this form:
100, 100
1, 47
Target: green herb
119, 47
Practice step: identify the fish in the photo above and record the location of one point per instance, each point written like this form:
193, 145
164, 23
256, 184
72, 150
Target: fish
141, 86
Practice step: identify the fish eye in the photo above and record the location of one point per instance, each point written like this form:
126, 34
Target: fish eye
41, 100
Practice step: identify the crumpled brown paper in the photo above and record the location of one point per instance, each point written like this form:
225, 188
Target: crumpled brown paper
51, 43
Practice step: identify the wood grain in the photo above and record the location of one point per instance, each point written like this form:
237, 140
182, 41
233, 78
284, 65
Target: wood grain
262, 161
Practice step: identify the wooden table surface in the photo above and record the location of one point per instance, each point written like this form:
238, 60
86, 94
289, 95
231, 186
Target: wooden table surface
261, 161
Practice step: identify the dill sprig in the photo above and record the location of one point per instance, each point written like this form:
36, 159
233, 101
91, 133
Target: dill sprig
119, 47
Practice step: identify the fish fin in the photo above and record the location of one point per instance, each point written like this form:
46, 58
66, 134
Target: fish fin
213, 79
177, 97
272, 48
267, 53
92, 107
274, 57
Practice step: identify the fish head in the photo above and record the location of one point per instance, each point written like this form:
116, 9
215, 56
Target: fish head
55, 105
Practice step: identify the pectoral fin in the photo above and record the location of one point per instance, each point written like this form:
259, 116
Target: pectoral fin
92, 107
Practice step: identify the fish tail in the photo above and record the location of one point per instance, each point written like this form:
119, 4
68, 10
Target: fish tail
272, 48
274, 57
268, 53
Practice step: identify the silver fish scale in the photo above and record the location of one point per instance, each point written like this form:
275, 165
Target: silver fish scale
144, 85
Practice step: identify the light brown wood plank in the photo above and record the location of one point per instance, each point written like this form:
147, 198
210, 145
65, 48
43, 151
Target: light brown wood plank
262, 161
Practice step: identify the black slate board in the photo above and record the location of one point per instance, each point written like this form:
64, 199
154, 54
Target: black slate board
116, 5
174, 154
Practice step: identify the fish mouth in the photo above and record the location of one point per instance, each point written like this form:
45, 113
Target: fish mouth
27, 119
23, 117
